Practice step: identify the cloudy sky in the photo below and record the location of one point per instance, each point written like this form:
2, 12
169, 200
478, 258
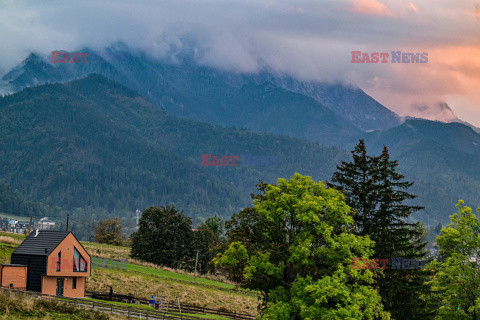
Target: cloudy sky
310, 39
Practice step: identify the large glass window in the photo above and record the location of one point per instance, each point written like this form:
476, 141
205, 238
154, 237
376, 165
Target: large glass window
59, 259
79, 263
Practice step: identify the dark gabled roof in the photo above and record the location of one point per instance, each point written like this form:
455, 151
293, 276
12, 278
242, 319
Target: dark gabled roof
35, 244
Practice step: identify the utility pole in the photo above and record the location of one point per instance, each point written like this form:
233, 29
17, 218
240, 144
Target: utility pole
31, 219
68, 216
195, 276
137, 213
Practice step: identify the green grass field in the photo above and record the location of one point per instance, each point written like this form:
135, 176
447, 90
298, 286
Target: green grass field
5, 252
13, 235
163, 274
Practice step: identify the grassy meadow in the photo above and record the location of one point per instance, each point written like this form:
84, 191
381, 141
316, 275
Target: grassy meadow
18, 306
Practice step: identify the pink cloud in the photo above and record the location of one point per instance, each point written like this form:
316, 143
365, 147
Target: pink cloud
477, 11
370, 7
412, 7
452, 74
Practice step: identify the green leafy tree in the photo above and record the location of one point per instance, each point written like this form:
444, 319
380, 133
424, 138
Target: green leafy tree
109, 231
205, 241
455, 285
296, 247
216, 224
378, 195
164, 237
209, 241
234, 261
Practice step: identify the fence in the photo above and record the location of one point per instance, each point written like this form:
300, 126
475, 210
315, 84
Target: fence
128, 311
203, 310
168, 306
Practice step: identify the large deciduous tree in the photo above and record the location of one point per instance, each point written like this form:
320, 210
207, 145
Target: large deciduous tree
295, 246
109, 231
164, 237
455, 285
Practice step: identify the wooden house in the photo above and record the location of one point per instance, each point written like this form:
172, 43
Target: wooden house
56, 263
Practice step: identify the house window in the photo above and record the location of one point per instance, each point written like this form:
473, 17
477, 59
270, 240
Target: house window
79, 263
74, 283
59, 259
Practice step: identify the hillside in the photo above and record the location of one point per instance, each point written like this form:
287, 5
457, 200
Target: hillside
350, 103
13, 203
98, 148
442, 159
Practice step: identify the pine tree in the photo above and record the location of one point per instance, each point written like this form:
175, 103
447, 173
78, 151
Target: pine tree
355, 180
392, 233
395, 237
377, 194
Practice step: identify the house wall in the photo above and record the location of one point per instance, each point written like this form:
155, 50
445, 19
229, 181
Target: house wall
15, 275
36, 268
66, 269
49, 285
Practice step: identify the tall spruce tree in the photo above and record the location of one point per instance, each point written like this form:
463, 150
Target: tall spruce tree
391, 232
355, 180
377, 194
395, 237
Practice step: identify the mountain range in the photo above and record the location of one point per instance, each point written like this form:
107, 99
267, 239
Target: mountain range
95, 146
112, 135
258, 102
